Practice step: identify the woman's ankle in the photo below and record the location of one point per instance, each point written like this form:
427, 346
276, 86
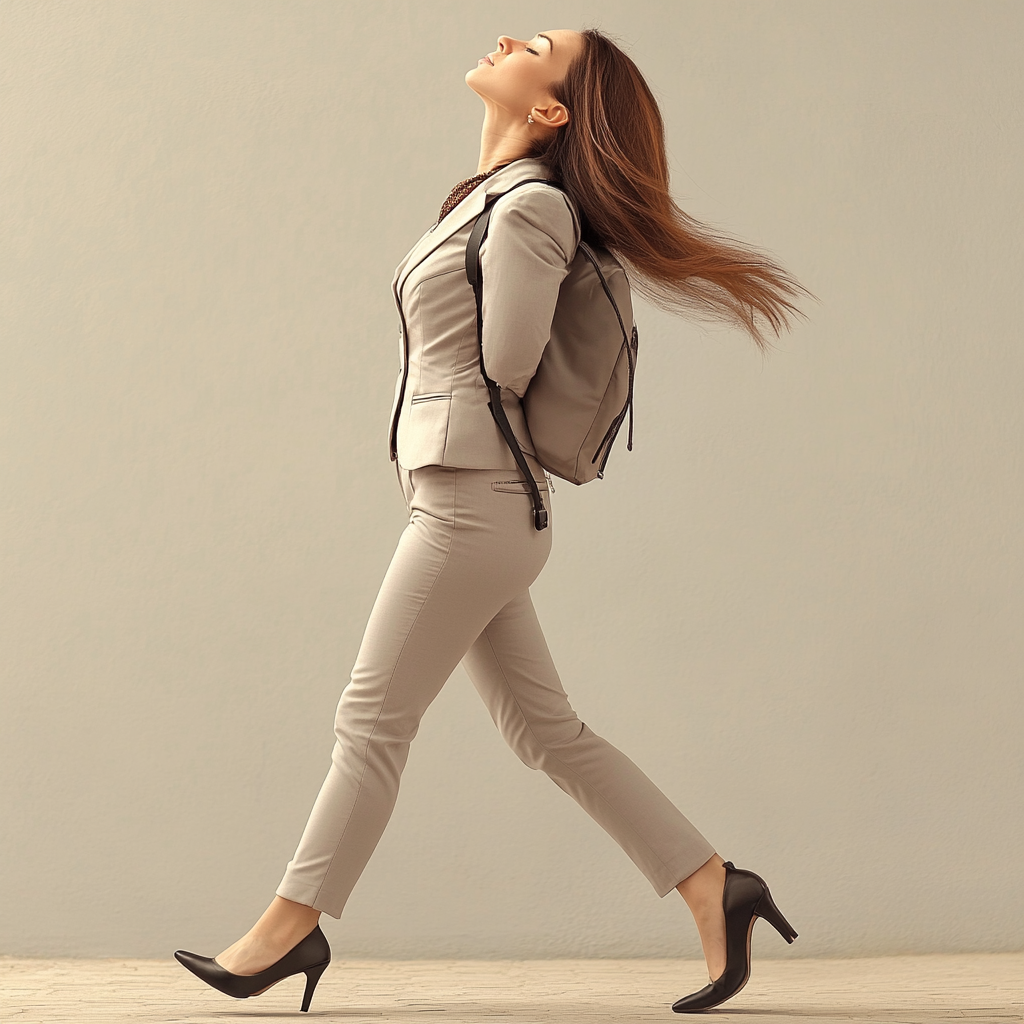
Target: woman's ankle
704, 886
284, 919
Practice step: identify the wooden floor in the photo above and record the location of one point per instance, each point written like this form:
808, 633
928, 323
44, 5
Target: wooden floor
894, 990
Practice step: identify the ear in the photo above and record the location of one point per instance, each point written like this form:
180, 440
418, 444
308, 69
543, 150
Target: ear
551, 115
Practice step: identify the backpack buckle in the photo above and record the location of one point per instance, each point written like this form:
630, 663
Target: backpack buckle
540, 518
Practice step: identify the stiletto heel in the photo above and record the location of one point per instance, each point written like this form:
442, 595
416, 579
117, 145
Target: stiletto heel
765, 907
310, 956
312, 977
745, 898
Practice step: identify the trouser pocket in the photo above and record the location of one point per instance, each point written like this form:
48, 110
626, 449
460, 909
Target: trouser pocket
518, 485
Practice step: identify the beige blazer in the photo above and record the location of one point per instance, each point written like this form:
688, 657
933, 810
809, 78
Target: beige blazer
439, 415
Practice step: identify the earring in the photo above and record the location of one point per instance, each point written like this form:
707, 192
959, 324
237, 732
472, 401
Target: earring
529, 117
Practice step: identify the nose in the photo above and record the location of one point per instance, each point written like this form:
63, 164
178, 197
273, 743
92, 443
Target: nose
504, 43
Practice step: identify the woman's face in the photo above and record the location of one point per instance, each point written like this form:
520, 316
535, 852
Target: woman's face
518, 75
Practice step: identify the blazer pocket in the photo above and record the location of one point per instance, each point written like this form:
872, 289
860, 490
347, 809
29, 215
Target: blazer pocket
431, 396
517, 486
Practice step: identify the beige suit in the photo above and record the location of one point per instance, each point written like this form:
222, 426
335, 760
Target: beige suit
458, 586
440, 400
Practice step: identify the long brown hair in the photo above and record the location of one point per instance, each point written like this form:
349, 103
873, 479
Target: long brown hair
611, 159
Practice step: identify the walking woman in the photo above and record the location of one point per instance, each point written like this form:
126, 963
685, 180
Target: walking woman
569, 106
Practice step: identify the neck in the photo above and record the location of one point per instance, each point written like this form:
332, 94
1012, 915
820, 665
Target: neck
501, 140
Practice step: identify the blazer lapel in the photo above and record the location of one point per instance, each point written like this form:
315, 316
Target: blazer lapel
470, 207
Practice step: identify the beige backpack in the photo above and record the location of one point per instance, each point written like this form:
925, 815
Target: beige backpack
578, 398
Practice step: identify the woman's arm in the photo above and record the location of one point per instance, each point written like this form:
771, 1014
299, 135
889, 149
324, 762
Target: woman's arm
531, 240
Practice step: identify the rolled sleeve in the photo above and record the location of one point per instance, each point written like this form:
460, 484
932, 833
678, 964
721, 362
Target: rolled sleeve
531, 240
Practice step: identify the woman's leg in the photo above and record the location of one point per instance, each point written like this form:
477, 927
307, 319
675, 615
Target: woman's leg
512, 669
467, 549
703, 894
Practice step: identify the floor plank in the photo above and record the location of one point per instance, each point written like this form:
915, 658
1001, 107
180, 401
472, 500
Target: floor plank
985, 987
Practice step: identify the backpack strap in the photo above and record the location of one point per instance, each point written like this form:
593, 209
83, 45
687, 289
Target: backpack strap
474, 271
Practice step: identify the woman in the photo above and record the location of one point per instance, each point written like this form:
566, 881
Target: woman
572, 106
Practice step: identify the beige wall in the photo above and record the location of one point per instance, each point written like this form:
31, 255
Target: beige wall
797, 603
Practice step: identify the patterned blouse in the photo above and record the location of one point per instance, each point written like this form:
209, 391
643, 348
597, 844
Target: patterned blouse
463, 189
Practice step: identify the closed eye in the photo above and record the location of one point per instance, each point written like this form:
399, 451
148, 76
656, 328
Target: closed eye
534, 52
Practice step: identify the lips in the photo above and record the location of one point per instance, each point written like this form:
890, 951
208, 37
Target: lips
487, 59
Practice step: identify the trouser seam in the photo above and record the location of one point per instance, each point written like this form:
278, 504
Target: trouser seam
412, 626
561, 762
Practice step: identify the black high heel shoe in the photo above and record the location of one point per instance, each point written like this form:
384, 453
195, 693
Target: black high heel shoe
310, 956
745, 899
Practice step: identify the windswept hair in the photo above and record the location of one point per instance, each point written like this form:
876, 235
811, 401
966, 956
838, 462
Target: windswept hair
611, 159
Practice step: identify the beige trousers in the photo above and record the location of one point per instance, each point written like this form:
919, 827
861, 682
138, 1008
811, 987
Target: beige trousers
457, 590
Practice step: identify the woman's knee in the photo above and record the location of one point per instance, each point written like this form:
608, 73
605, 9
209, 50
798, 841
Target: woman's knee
360, 722
539, 745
